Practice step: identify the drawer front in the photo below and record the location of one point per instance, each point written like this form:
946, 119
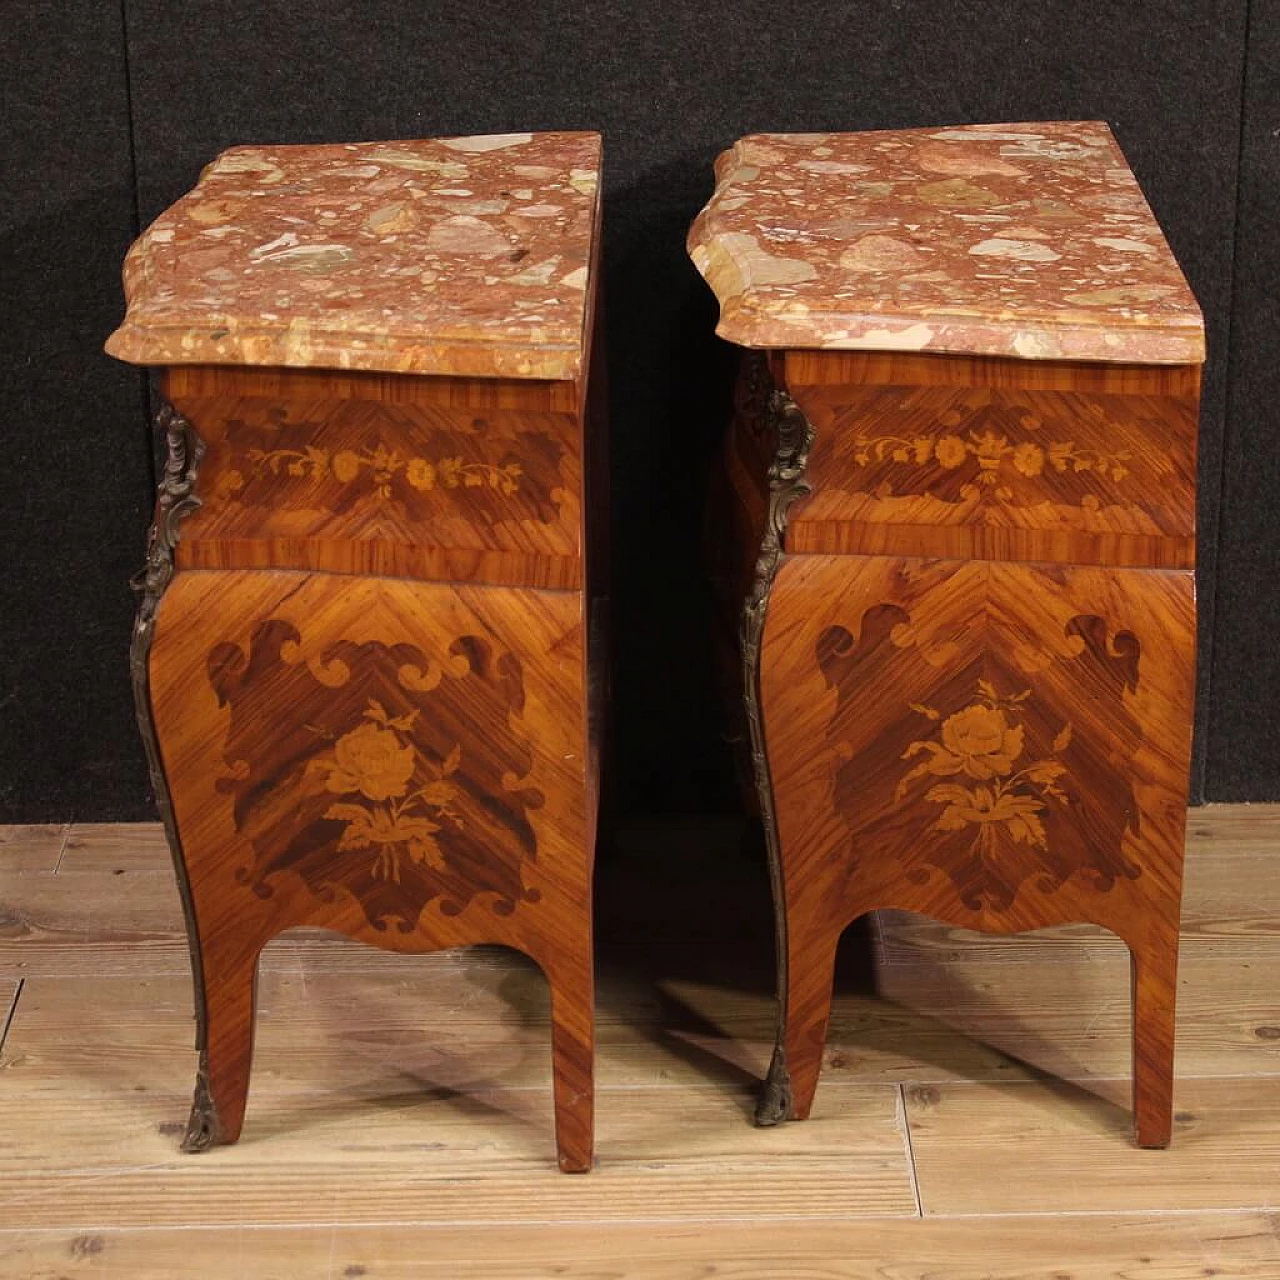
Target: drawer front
1081, 476
363, 485
998, 746
396, 760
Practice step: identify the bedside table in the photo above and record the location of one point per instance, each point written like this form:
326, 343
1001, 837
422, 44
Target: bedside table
959, 504
364, 660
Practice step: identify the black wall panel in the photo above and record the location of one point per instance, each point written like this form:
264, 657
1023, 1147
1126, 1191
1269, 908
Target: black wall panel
75, 461
669, 85
1244, 759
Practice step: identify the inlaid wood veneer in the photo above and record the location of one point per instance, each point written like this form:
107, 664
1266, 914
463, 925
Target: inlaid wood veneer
368, 657
957, 517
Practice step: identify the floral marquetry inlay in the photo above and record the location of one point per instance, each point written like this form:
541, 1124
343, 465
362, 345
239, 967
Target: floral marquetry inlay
372, 772
979, 450
983, 746
380, 466
372, 767
989, 455
992, 766
355, 464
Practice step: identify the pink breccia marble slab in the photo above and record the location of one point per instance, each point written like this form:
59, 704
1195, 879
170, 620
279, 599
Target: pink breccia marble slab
464, 256
1024, 240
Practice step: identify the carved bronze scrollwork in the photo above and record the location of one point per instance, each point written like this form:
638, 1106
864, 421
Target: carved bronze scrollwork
175, 499
787, 483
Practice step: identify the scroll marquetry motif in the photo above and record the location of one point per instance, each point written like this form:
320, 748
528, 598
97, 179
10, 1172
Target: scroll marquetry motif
411, 794
1001, 747
346, 768
467, 475
993, 785
986, 451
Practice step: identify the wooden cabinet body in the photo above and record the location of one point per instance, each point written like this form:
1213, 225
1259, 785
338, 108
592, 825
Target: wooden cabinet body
968, 648
366, 663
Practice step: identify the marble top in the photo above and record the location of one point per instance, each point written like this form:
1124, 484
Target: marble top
464, 256
1027, 240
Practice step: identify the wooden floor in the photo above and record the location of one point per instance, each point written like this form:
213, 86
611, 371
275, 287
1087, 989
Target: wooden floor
971, 1122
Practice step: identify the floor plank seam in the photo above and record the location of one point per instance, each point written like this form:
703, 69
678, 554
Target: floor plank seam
13, 1011
1126, 1216
62, 848
322, 1090
445, 1224
1195, 1211
1042, 1078
904, 1123
387, 1095
605, 1223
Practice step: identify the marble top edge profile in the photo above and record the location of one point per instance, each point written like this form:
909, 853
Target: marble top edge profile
465, 256
1030, 241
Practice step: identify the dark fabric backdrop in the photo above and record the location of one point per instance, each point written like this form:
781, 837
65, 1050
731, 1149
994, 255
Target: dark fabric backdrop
110, 108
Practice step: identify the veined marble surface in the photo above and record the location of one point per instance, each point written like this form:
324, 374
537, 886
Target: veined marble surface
1026, 240
466, 256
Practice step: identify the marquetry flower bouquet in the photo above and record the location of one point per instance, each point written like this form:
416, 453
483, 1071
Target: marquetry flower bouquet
375, 764
382, 465
990, 450
982, 744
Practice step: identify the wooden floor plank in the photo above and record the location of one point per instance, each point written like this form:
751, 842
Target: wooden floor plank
1054, 1147
31, 848
442, 1020
116, 847
448, 1025
1234, 828
414, 1090
675, 1154
1072, 1019
90, 922
1173, 1247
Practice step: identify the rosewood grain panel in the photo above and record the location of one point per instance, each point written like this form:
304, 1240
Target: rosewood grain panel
273, 382
356, 485
384, 558
736, 518
996, 473
999, 746
402, 762
739, 496
956, 369
979, 542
